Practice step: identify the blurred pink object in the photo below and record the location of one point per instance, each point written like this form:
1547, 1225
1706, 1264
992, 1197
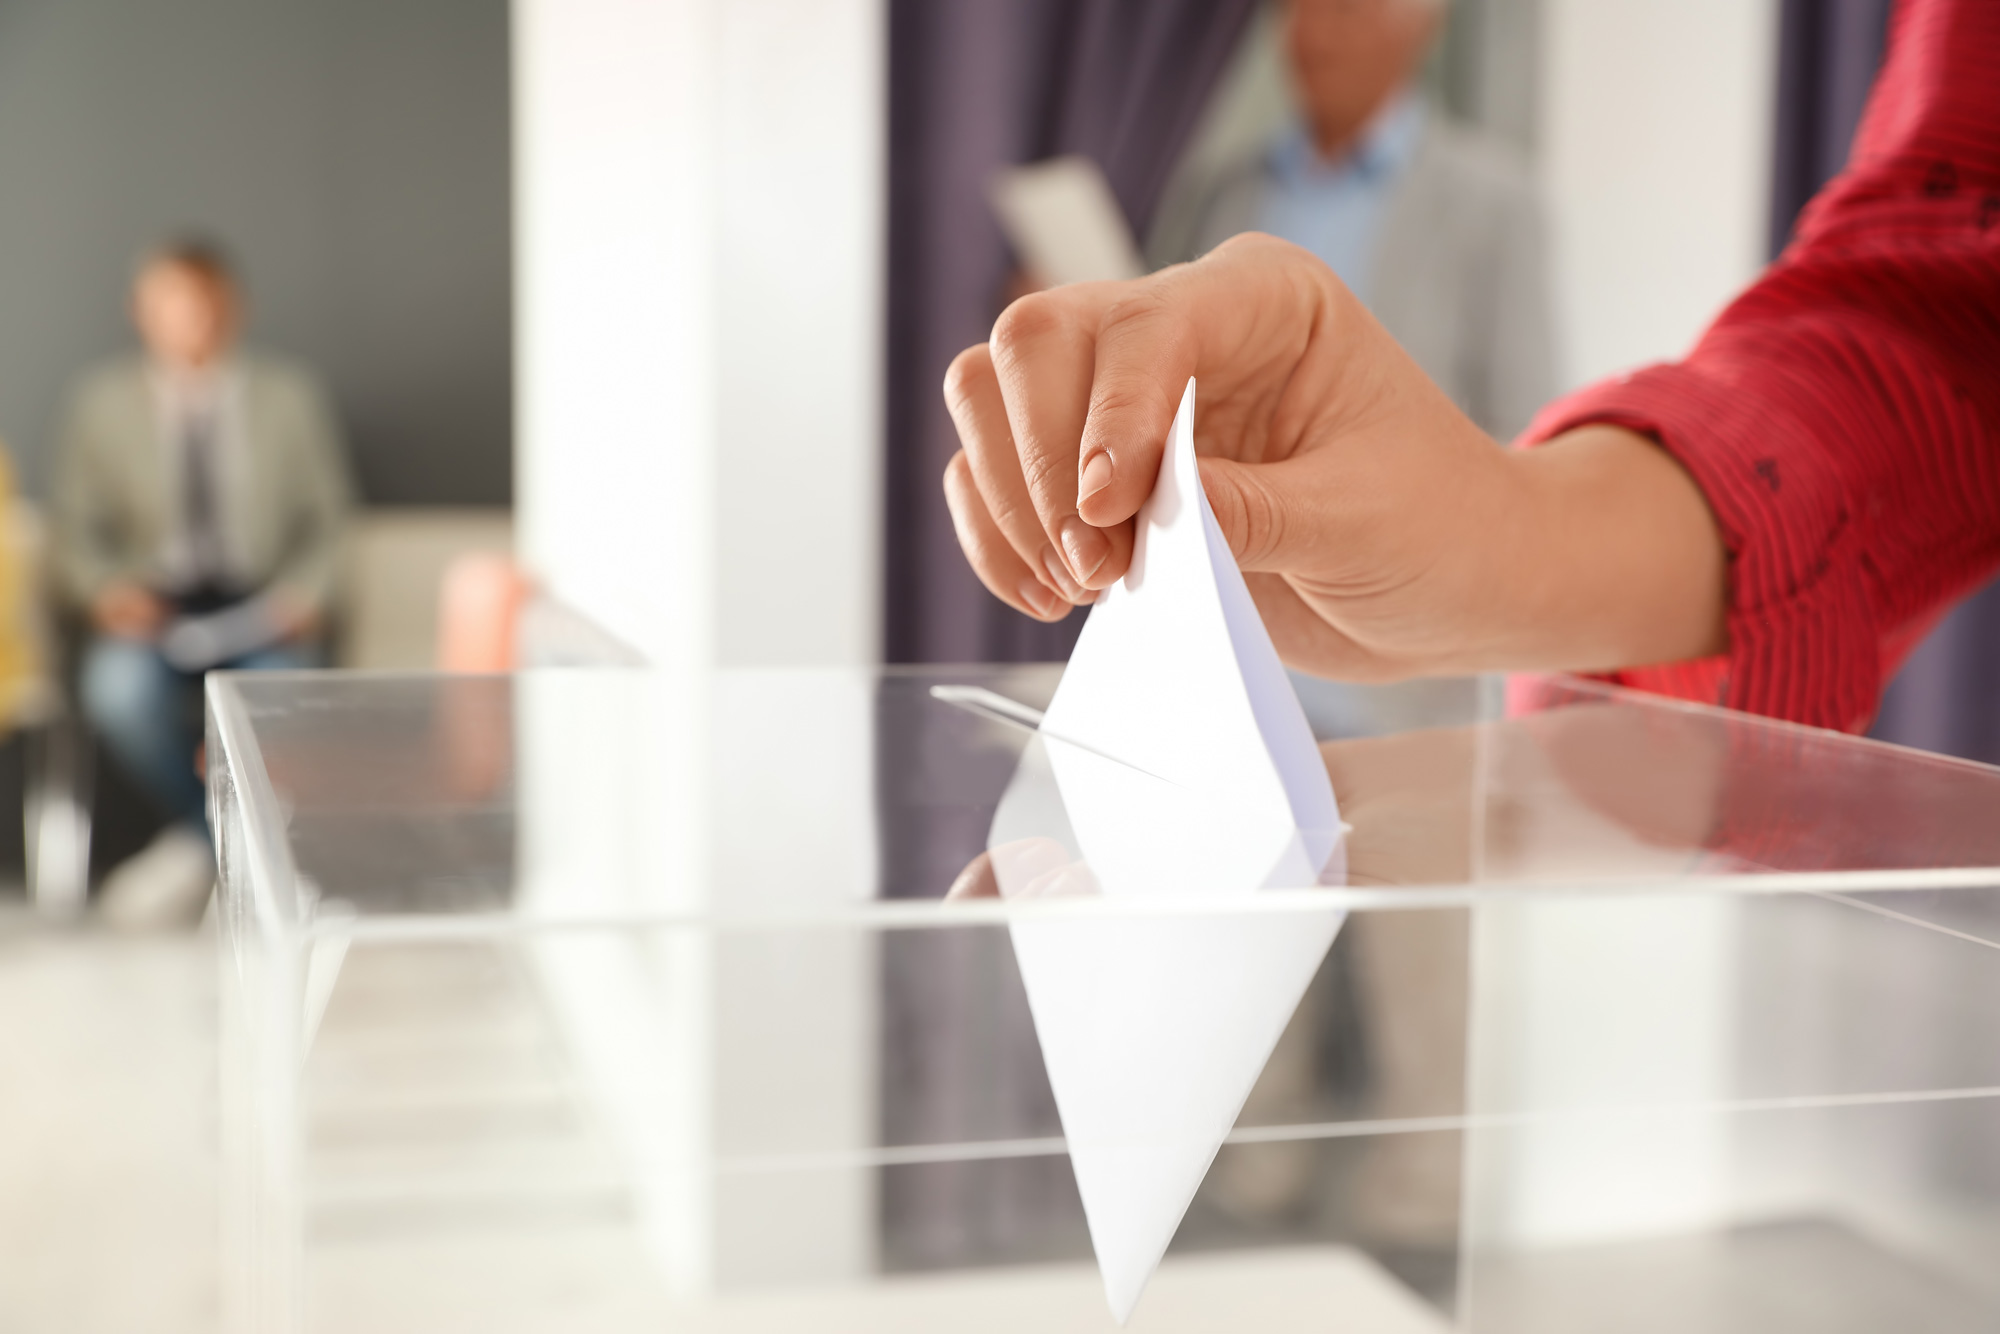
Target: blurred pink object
479, 603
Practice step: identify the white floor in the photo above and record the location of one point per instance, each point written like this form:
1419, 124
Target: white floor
108, 1218
108, 1208
107, 1132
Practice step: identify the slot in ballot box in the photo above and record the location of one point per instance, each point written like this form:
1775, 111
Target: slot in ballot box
618, 1000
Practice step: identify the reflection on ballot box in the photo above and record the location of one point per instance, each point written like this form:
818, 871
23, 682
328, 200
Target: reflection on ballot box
609, 1000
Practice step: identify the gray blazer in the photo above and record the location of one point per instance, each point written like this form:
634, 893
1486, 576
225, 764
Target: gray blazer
282, 506
1460, 274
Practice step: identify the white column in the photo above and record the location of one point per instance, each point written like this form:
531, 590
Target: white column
699, 211
1655, 142
615, 363
801, 196
1587, 1012
1655, 134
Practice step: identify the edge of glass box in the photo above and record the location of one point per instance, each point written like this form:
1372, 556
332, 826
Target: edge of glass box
268, 853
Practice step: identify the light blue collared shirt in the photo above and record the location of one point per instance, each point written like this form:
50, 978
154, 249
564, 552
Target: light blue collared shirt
1334, 209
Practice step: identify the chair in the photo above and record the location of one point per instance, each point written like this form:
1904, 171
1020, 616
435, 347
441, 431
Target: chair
55, 812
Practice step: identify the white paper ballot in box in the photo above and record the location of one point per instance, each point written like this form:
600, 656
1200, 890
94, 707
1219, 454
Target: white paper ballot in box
1173, 762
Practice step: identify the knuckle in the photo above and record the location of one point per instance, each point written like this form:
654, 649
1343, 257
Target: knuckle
1122, 396
1260, 521
966, 498
957, 476
980, 557
1045, 473
1139, 303
1027, 321
1254, 257
1131, 407
992, 562
1245, 245
1019, 524
1263, 525
1151, 315
965, 371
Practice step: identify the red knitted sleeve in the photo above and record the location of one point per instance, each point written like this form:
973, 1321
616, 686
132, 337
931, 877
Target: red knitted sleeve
1842, 416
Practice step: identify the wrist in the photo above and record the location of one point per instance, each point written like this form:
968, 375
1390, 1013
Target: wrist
1620, 562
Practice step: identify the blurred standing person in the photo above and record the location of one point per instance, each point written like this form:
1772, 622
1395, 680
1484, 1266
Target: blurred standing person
1434, 225
198, 497
1437, 228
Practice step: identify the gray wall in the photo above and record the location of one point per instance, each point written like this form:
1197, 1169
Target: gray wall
355, 154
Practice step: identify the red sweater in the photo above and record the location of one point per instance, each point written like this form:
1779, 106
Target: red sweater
1843, 414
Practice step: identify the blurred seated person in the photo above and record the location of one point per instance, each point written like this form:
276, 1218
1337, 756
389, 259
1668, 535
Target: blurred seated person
1434, 225
198, 498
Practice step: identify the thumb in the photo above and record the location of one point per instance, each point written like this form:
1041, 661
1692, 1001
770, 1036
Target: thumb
1256, 511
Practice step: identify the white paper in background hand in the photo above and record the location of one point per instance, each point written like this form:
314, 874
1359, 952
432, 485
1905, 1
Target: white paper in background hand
1184, 766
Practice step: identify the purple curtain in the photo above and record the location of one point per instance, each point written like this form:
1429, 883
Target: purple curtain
975, 85
1947, 696
1828, 52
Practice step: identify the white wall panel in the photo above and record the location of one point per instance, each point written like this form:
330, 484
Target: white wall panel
700, 209
1655, 147
700, 214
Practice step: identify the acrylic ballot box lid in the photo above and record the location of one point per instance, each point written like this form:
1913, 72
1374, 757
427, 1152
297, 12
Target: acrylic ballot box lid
610, 999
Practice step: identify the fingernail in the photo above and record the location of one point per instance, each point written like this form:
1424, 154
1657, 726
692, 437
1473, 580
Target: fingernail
1059, 572
1037, 595
1085, 547
1095, 477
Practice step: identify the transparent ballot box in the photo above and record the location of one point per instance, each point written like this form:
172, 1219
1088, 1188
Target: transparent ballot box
609, 1000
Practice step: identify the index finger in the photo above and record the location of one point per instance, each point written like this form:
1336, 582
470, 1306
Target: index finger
1240, 320
1145, 353
1044, 356
1091, 376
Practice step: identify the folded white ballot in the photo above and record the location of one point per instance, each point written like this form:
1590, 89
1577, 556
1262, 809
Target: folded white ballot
1174, 762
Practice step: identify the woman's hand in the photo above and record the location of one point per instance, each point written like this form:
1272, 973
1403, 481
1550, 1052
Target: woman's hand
1381, 533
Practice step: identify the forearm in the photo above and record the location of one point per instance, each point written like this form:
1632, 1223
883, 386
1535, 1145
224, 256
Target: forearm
1841, 417
1612, 558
